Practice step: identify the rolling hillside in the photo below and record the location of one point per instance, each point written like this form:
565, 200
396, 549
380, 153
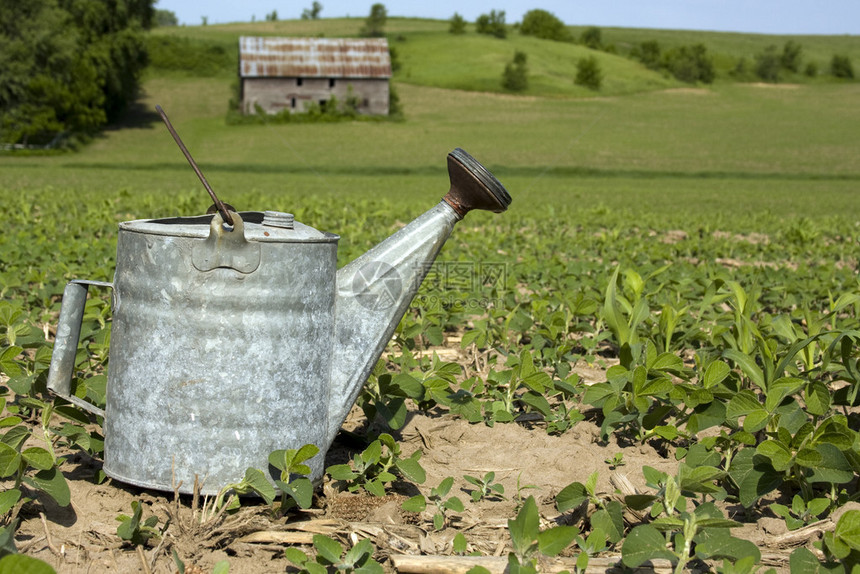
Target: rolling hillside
430, 56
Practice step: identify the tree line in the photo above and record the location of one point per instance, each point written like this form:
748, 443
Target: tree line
68, 67
688, 63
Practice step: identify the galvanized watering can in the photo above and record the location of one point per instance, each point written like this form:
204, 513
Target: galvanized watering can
231, 341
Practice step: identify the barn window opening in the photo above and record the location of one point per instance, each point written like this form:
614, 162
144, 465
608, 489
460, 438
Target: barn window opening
331, 83
293, 103
299, 81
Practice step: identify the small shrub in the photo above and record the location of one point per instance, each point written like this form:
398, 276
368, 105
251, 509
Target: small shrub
492, 24
648, 53
742, 70
394, 56
592, 37
690, 64
811, 70
588, 73
791, 56
457, 24
840, 67
768, 64
375, 23
515, 77
165, 18
312, 13
544, 25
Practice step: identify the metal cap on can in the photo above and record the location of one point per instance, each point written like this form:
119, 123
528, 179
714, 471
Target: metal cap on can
278, 219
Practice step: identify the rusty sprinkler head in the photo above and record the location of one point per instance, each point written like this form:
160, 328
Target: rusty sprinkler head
473, 187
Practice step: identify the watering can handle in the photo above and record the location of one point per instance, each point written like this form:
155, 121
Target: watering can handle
66, 342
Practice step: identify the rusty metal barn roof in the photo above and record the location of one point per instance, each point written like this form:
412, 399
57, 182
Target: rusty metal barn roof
313, 57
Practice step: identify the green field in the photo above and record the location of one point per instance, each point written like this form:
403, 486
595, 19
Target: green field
697, 245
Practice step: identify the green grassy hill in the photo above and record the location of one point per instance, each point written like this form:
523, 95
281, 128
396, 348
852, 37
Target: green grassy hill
430, 56
783, 149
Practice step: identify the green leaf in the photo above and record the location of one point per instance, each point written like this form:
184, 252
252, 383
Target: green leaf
411, 469
537, 402
642, 544
716, 372
459, 544
525, 527
778, 454
747, 365
833, 468
454, 504
780, 389
610, 520
808, 458
53, 483
653, 477
571, 496
408, 385
803, 561
22, 564
695, 479
554, 540
375, 487
7, 361
295, 556
38, 458
415, 504
328, 550
10, 460
362, 549
444, 487
393, 412
129, 526
300, 489
817, 398
8, 499
756, 421
719, 544
848, 529
754, 476
254, 480
221, 567
639, 501
595, 394
341, 472
668, 523
742, 403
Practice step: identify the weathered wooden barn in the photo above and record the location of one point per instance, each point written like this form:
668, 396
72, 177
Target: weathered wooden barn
289, 73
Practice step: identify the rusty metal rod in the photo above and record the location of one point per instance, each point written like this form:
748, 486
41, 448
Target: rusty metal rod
225, 214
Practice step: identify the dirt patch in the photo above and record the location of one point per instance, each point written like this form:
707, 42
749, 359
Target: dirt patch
774, 86
691, 91
525, 459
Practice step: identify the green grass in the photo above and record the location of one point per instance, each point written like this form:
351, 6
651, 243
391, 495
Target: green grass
727, 47
731, 148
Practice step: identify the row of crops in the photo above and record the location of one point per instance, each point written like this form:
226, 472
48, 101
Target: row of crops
729, 343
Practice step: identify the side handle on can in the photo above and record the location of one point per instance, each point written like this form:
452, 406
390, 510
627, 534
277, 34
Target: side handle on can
66, 343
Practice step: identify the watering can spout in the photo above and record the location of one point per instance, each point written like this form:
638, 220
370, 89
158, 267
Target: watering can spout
375, 290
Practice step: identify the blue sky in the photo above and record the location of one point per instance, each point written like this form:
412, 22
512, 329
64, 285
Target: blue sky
761, 16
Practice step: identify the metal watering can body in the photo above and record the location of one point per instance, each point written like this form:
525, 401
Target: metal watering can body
229, 342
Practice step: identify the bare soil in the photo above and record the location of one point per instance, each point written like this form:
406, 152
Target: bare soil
527, 461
